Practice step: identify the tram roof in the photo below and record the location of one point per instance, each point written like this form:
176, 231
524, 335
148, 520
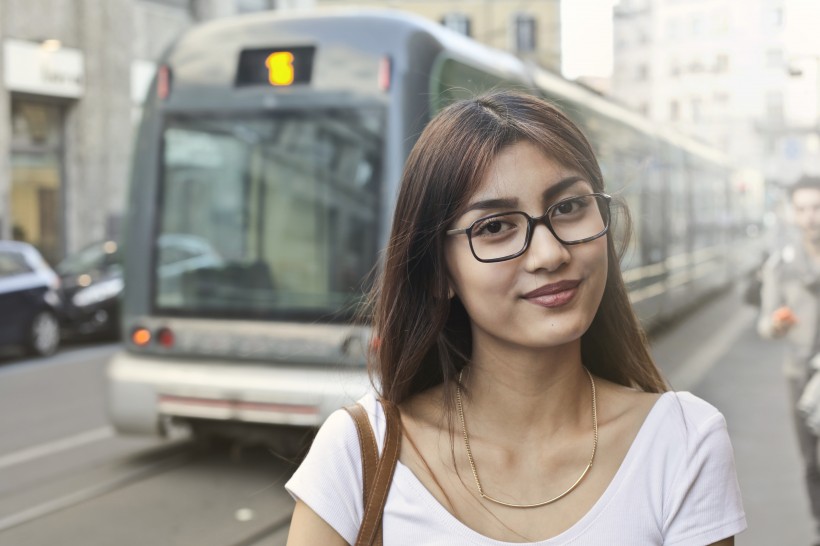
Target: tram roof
478, 53
458, 46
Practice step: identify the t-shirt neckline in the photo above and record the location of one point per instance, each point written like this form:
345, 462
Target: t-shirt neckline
457, 526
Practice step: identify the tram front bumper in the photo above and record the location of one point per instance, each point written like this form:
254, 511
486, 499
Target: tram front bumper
142, 391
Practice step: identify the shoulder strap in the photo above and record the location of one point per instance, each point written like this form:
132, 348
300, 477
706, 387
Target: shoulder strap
376, 477
367, 447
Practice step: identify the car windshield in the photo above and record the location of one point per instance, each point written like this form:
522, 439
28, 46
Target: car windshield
94, 257
13, 263
272, 217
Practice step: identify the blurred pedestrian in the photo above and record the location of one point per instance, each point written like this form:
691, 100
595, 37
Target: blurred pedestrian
790, 298
508, 347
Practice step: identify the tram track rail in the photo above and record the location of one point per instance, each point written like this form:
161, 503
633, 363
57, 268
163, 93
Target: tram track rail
162, 459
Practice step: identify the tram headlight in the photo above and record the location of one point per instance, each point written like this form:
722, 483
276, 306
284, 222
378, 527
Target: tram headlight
98, 292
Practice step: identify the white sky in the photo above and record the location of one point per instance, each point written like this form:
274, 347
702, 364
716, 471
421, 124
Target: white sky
586, 40
802, 36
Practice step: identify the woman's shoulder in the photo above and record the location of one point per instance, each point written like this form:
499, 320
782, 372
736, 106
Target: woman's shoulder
671, 418
693, 409
683, 413
681, 428
690, 409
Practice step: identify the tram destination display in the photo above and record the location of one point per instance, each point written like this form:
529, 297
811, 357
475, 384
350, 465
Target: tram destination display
278, 67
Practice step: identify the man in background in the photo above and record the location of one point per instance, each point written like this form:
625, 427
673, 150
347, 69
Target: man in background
790, 302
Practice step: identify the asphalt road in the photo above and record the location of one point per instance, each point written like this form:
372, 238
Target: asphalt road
66, 478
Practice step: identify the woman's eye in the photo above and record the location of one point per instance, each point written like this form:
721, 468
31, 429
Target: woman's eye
492, 226
570, 206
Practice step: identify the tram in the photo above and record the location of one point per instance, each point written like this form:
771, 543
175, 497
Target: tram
264, 177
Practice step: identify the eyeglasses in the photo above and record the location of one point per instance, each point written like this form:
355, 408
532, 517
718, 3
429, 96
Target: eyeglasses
507, 235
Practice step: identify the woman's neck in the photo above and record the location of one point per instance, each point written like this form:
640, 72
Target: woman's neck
522, 393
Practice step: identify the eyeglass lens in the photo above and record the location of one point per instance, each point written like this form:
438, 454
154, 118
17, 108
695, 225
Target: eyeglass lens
572, 220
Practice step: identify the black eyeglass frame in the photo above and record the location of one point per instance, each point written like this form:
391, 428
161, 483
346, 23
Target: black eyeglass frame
531, 222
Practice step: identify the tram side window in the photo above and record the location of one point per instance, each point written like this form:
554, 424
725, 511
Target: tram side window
626, 160
677, 217
459, 81
708, 205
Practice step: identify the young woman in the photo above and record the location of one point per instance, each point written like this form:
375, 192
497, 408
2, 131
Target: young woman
530, 407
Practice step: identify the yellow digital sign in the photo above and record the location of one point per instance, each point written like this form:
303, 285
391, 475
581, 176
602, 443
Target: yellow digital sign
275, 66
280, 68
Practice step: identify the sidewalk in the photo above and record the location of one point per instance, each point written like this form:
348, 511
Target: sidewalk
716, 354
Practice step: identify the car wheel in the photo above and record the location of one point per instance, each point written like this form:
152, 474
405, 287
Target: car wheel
44, 334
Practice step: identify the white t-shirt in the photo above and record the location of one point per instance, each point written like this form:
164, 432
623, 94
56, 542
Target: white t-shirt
676, 486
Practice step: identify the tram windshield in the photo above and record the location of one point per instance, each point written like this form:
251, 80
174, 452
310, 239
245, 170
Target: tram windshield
268, 216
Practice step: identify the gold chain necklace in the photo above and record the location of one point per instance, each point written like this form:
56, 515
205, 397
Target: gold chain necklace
537, 504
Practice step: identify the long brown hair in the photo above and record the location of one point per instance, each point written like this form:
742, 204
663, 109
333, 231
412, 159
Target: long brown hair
424, 336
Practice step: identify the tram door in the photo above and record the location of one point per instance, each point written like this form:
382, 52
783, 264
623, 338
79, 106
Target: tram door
36, 176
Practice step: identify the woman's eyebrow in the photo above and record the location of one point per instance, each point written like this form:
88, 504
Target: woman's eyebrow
562, 185
512, 202
497, 203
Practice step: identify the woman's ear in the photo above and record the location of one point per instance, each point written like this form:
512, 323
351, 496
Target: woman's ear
450, 292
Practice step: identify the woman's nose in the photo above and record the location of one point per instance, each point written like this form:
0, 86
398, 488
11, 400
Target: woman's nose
545, 250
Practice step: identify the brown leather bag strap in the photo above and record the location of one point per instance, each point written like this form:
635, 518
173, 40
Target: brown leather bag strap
370, 532
367, 447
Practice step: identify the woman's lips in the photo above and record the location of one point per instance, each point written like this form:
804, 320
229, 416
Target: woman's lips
555, 294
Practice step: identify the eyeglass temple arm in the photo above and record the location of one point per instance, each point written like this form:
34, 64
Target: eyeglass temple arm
456, 231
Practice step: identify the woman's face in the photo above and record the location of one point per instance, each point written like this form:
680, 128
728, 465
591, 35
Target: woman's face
549, 295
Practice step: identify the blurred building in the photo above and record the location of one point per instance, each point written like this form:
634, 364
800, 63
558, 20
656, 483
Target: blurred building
740, 75
530, 29
72, 77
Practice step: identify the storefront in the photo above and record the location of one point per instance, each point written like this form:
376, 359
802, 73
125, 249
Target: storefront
36, 175
45, 80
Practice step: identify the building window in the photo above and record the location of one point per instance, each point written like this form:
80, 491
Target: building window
771, 144
457, 22
696, 66
674, 110
697, 25
697, 107
721, 100
643, 108
775, 18
672, 28
524, 33
620, 37
642, 72
774, 107
720, 20
774, 58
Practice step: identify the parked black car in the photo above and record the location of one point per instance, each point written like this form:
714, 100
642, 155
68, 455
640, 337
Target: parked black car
30, 300
92, 285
